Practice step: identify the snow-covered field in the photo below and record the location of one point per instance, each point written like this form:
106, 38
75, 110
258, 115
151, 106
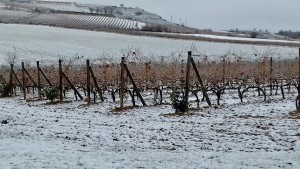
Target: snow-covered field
240, 38
254, 134
44, 43
2, 5
61, 7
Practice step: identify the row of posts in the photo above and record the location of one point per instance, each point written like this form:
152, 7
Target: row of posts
89, 72
124, 68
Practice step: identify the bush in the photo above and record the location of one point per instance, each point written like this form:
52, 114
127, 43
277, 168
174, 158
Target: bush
119, 12
51, 93
177, 103
138, 13
155, 28
253, 35
5, 89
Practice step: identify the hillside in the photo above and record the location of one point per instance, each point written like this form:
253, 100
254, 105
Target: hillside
84, 16
125, 20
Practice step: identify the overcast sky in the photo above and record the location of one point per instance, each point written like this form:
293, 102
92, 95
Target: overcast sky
221, 14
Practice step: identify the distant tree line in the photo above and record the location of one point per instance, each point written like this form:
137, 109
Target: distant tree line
290, 34
155, 28
104, 10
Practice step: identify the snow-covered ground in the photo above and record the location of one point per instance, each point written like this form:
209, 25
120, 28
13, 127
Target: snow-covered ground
240, 38
33, 134
44, 43
254, 134
2, 5
61, 7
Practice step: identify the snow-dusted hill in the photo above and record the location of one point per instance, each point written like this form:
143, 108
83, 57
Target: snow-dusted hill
118, 19
85, 16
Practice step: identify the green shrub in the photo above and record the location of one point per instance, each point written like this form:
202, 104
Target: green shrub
51, 93
177, 102
5, 89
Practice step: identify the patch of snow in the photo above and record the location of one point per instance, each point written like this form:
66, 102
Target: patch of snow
254, 134
63, 7
48, 44
240, 38
139, 15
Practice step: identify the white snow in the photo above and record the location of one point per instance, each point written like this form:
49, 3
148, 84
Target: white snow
33, 134
254, 134
62, 7
240, 39
44, 43
2, 6
139, 15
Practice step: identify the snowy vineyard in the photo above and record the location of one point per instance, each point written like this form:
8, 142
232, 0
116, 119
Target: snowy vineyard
68, 20
154, 82
36, 134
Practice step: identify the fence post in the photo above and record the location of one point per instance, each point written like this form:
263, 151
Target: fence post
271, 75
24, 81
299, 75
298, 100
187, 81
264, 69
60, 81
96, 84
45, 77
224, 62
203, 87
72, 86
88, 79
39, 80
11, 79
134, 86
122, 83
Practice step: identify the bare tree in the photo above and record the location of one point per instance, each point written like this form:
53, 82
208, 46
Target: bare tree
97, 10
12, 56
91, 9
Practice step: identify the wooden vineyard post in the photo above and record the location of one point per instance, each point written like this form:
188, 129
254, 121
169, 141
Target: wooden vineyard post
72, 85
182, 73
61, 76
224, 62
298, 98
39, 80
203, 87
299, 74
30, 78
18, 80
88, 81
271, 74
11, 79
264, 68
60, 82
45, 77
187, 80
23, 81
134, 85
122, 83
96, 84
229, 70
